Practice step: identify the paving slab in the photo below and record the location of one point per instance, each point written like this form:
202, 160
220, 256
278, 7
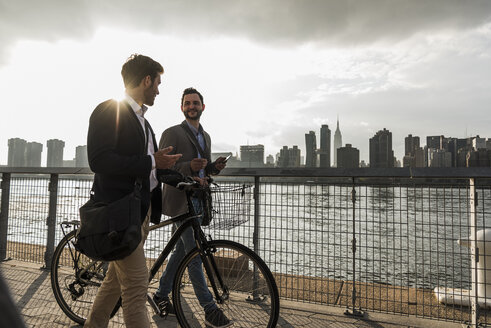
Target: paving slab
30, 288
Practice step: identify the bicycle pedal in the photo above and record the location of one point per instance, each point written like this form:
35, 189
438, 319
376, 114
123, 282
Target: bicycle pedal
154, 306
163, 314
160, 311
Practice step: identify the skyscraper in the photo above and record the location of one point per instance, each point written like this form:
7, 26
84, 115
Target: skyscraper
325, 150
33, 154
311, 149
452, 145
270, 160
81, 159
289, 157
381, 152
17, 152
439, 158
338, 142
478, 158
348, 157
283, 159
478, 143
413, 153
434, 142
411, 144
252, 156
55, 153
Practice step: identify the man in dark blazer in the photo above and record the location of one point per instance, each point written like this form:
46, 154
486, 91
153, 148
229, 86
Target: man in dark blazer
122, 148
190, 140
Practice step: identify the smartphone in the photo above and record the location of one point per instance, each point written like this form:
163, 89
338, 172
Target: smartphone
227, 158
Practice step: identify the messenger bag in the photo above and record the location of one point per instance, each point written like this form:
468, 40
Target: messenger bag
111, 231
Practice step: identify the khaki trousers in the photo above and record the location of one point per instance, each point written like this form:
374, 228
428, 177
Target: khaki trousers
127, 278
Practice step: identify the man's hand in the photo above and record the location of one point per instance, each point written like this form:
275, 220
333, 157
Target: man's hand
202, 181
220, 163
165, 161
198, 164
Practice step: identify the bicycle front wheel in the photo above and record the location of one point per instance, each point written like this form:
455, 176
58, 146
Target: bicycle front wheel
247, 291
75, 279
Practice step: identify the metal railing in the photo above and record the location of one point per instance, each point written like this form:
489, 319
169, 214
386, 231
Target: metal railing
364, 239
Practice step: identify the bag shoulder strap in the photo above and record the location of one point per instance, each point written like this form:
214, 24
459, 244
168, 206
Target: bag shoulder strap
138, 181
186, 128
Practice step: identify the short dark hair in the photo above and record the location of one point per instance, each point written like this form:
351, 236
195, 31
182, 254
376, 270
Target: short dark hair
137, 67
190, 91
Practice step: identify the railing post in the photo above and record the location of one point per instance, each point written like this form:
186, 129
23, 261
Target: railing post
51, 220
474, 251
255, 235
353, 311
4, 215
255, 239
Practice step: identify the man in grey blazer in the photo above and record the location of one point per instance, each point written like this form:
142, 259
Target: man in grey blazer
190, 140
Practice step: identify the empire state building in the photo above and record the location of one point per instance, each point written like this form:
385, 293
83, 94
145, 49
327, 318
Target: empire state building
338, 143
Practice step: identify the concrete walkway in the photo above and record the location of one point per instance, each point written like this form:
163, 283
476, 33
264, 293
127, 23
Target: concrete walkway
30, 287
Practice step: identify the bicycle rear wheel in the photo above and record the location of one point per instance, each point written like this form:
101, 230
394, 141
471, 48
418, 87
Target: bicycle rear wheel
249, 292
75, 279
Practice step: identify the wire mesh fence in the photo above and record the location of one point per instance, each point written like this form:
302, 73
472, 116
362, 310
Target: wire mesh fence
387, 245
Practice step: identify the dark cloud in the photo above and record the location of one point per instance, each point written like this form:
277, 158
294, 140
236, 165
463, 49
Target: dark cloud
278, 22
47, 20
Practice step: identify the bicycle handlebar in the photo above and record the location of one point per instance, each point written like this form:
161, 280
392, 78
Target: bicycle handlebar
177, 180
189, 182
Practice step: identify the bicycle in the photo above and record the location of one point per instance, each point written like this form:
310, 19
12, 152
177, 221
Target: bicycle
242, 285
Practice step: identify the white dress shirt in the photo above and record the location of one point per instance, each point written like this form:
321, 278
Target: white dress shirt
140, 111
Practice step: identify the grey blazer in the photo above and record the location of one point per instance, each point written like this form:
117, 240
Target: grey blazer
173, 200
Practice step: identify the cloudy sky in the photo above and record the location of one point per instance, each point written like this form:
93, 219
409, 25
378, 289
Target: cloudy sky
270, 70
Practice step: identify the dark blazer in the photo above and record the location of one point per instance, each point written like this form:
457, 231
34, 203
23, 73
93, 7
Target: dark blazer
174, 200
117, 155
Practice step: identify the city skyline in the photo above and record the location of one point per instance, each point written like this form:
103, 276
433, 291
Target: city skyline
414, 152
269, 71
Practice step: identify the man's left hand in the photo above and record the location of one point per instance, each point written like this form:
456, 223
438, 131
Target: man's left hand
220, 163
202, 181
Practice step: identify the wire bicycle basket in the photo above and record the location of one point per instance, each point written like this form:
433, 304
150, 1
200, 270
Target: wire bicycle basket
231, 205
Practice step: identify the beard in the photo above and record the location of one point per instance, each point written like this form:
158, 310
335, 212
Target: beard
149, 97
194, 118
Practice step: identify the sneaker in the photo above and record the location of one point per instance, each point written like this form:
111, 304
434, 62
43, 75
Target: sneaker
216, 319
165, 306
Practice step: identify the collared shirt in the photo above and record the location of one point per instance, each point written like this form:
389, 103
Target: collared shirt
140, 111
201, 140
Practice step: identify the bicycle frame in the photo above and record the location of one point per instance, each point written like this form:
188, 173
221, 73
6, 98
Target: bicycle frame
190, 220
